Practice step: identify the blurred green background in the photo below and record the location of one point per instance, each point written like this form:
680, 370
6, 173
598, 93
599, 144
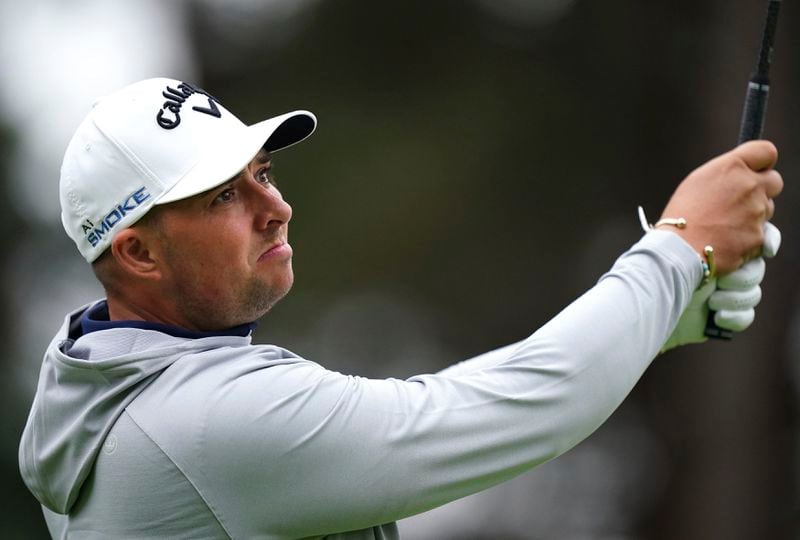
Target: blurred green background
477, 166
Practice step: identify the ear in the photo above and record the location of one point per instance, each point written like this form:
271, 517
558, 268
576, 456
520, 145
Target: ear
134, 253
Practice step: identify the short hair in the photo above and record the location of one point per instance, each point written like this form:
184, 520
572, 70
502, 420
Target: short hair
105, 267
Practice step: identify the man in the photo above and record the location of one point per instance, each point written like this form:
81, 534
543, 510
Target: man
155, 416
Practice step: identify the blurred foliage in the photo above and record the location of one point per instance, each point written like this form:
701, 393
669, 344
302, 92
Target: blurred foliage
24, 516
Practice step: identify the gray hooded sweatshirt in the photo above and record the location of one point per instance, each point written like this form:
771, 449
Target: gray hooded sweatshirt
136, 433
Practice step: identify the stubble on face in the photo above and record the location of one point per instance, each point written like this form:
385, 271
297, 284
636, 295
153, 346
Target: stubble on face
244, 300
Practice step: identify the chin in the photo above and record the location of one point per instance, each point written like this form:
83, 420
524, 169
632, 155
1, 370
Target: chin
260, 297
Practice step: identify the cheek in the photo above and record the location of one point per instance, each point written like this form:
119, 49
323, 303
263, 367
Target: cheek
209, 254
221, 245
221, 264
208, 258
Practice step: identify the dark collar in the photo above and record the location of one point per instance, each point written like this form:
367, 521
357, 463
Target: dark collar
96, 318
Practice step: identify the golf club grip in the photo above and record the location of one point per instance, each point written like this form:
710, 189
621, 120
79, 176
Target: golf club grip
755, 111
715, 332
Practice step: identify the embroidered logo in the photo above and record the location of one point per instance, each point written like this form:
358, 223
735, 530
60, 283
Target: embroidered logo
95, 232
169, 116
110, 446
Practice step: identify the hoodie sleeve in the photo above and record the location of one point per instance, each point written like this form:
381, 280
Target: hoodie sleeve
299, 451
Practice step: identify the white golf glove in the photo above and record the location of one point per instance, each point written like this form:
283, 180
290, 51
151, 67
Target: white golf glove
733, 298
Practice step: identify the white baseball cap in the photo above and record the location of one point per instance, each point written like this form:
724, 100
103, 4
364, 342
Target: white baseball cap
154, 142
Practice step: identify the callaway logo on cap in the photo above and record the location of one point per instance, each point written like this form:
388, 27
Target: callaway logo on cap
154, 142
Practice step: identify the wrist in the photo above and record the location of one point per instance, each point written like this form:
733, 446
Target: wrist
678, 226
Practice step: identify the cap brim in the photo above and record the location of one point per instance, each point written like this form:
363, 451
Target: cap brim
232, 155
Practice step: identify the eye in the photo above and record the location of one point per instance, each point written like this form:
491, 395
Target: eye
225, 196
265, 176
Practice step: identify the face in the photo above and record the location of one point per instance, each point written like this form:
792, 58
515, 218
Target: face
225, 253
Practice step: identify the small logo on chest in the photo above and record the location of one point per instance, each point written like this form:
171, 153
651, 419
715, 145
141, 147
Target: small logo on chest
110, 446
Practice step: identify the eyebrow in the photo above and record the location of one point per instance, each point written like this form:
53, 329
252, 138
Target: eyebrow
263, 157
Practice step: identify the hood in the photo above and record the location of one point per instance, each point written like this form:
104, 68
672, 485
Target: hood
84, 386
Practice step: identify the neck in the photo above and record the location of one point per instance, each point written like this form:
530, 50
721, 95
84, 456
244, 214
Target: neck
122, 310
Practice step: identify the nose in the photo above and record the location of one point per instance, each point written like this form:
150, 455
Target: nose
270, 210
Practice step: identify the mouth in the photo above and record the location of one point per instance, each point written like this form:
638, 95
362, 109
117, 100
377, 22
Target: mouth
279, 250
